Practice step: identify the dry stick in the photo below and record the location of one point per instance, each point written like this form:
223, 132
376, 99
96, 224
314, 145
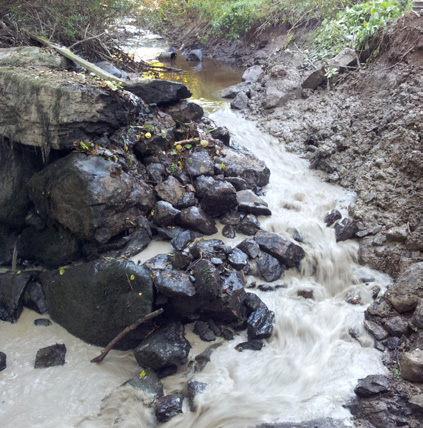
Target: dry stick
86, 40
124, 332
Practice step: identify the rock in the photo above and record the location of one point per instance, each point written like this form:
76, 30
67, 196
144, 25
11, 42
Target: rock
148, 382
221, 133
159, 263
202, 359
165, 213
393, 343
232, 91
202, 184
260, 324
240, 102
170, 190
250, 203
12, 287
95, 301
52, 247
165, 408
397, 234
34, 298
24, 56
196, 219
203, 330
417, 319
250, 247
364, 277
165, 347
411, 365
314, 80
51, 112
249, 225
156, 172
280, 90
3, 359
284, 250
238, 183
229, 231
186, 200
269, 267
8, 237
174, 283
195, 388
183, 239
220, 198
79, 192
195, 55
158, 91
185, 111
253, 303
306, 294
110, 68
238, 259
199, 163
252, 74
372, 385
44, 322
231, 218
353, 297
331, 217
407, 291
346, 229
154, 147
50, 356
396, 326
416, 402
251, 345
378, 332
315, 423
207, 280
245, 165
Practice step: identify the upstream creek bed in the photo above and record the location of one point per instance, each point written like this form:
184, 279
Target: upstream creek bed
307, 369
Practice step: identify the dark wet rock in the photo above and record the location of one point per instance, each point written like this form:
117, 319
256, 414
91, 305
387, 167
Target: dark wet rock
243, 164
396, 326
138, 241
166, 347
50, 356
229, 306
153, 147
353, 297
215, 328
52, 247
44, 322
195, 388
417, 319
231, 218
195, 55
202, 359
202, 184
331, 217
147, 381
315, 423
207, 280
166, 371
267, 287
237, 259
232, 91
260, 324
380, 309
250, 247
186, 111
253, 303
170, 190
378, 332
186, 200
12, 287
345, 229
297, 236
372, 385
407, 291
210, 248
158, 91
229, 231
174, 283
165, 213
249, 225
79, 192
269, 267
240, 102
8, 237
411, 365
252, 74
250, 203
202, 329
199, 163
251, 345
220, 198
363, 277
227, 334
159, 263
306, 294
284, 250
95, 301
221, 133
238, 183
181, 259
196, 219
167, 233
156, 172
393, 343
165, 408
34, 297
183, 239
3, 362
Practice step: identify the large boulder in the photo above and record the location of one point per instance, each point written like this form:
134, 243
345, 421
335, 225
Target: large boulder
33, 56
52, 111
80, 193
97, 300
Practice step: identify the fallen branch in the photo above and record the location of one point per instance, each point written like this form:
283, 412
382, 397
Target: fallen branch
124, 332
189, 141
87, 39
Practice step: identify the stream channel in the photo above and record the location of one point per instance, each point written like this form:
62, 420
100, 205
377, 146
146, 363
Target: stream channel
307, 369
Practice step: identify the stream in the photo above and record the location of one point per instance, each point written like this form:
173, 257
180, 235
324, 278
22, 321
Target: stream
307, 369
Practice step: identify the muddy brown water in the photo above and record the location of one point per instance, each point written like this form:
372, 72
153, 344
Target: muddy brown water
307, 369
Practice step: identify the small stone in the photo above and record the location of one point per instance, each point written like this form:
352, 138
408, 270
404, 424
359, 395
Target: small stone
229, 231
396, 326
371, 386
249, 225
378, 332
260, 324
238, 259
393, 343
331, 217
346, 229
165, 408
411, 365
269, 267
202, 359
417, 319
50, 356
252, 345
227, 334
147, 381
250, 247
203, 330
2, 361
195, 388
416, 402
42, 322
353, 297
307, 294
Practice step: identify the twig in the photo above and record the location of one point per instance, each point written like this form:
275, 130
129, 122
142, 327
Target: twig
124, 332
86, 40
189, 141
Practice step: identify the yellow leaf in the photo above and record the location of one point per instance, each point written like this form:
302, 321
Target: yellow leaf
61, 271
143, 374
204, 143
132, 277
